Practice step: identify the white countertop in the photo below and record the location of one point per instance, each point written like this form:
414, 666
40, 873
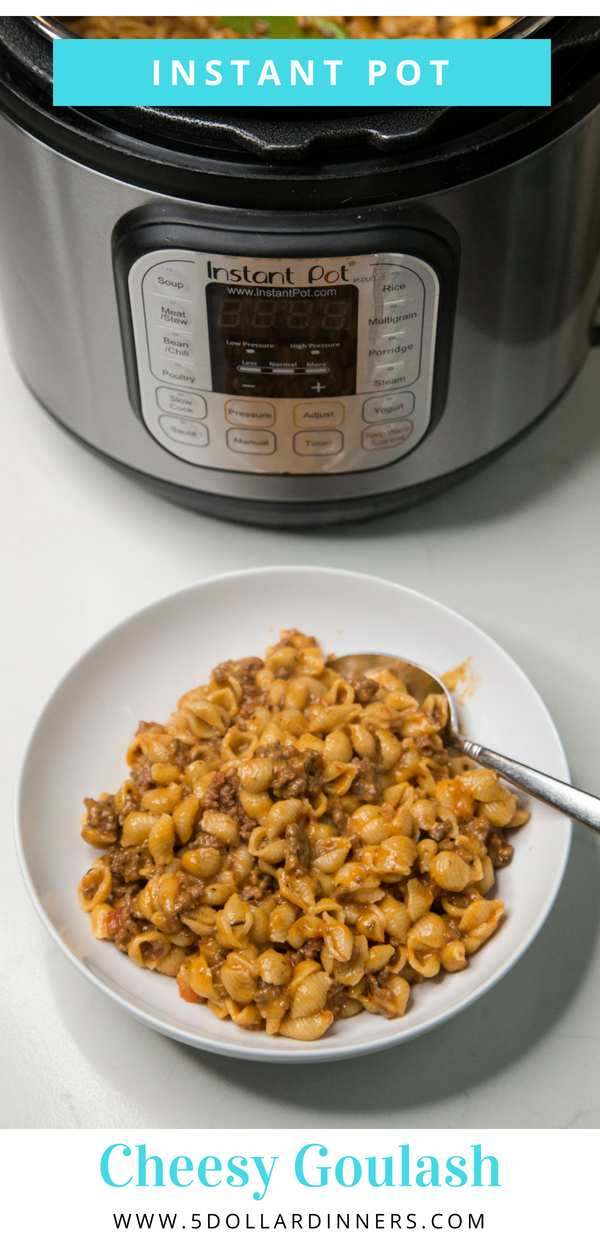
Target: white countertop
515, 549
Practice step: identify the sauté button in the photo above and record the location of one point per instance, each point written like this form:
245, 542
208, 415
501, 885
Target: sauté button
250, 411
188, 432
318, 443
318, 415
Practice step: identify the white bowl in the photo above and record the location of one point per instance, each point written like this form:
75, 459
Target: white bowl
140, 669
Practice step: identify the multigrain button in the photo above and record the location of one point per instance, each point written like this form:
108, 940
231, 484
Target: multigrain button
180, 402
318, 415
329, 442
188, 432
251, 441
386, 436
388, 407
250, 411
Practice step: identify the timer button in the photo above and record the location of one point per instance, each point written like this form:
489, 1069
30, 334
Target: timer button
250, 411
319, 443
318, 415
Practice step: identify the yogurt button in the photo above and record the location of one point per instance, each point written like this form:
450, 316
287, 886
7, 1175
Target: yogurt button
388, 407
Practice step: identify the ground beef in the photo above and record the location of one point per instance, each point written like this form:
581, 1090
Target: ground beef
244, 671
141, 775
366, 785
500, 852
101, 815
181, 756
310, 950
129, 926
297, 849
428, 748
125, 864
440, 831
295, 773
189, 896
365, 689
477, 829
223, 795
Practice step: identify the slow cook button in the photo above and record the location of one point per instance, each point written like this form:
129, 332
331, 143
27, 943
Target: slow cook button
188, 432
182, 403
251, 441
388, 407
318, 415
249, 411
329, 442
386, 436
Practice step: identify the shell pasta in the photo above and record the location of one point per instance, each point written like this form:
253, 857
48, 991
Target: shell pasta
295, 848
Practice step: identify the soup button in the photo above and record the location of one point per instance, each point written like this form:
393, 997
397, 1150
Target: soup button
385, 436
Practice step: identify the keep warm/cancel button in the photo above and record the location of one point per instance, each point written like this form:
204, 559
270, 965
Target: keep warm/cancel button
251, 441
384, 437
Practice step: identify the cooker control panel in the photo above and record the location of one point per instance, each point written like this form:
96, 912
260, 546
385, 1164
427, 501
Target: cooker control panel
284, 365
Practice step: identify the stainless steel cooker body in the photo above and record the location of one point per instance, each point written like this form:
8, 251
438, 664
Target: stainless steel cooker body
288, 366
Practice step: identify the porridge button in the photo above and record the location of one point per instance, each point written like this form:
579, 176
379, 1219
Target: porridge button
385, 436
250, 411
388, 407
313, 415
319, 442
251, 441
189, 432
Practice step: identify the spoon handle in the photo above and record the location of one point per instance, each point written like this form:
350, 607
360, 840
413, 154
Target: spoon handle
579, 805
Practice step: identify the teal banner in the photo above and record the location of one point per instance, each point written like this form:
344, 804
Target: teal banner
281, 72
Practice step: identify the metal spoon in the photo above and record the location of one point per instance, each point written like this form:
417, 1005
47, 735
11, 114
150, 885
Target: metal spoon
579, 805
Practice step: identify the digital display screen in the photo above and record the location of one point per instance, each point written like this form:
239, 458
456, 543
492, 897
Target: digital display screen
282, 343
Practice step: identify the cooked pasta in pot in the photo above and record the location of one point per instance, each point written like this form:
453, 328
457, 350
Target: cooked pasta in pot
295, 848
288, 27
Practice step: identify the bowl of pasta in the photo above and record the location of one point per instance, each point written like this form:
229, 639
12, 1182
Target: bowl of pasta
263, 858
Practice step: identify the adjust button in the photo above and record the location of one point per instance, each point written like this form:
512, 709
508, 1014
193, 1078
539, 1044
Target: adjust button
250, 411
315, 415
388, 407
251, 441
188, 432
329, 442
182, 403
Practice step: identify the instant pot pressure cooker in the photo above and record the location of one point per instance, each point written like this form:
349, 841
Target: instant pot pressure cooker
287, 317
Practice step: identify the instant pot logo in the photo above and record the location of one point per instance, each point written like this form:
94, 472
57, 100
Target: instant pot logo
316, 274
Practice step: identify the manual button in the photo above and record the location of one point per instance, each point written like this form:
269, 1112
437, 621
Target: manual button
251, 441
249, 411
322, 415
328, 442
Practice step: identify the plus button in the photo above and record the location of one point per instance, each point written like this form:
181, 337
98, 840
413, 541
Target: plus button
318, 387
